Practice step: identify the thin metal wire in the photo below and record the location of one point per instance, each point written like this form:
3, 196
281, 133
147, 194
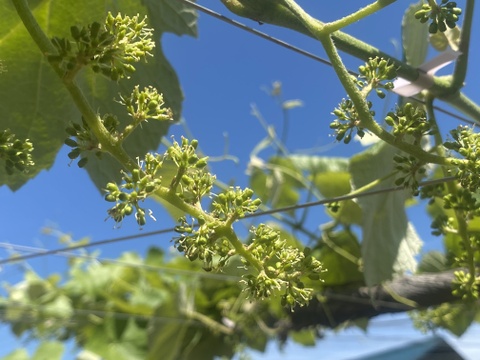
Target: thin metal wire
89, 312
347, 197
262, 213
68, 254
257, 32
298, 50
83, 246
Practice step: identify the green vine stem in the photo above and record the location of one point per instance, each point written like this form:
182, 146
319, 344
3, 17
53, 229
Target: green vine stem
460, 70
358, 98
357, 16
277, 13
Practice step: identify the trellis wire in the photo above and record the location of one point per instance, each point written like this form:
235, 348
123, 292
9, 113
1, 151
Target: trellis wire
266, 212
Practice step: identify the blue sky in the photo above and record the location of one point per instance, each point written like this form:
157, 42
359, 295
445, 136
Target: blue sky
223, 73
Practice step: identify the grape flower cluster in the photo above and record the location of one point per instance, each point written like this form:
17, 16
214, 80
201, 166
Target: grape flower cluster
16, 153
441, 16
109, 48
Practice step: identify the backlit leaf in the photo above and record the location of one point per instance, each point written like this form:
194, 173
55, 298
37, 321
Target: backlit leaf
414, 37
38, 107
389, 243
51, 350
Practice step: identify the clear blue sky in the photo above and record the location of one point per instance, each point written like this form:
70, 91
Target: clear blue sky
222, 73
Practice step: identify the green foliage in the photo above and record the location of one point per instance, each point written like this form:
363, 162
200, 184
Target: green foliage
134, 312
340, 254
45, 128
134, 308
414, 37
456, 317
384, 217
433, 261
276, 182
46, 350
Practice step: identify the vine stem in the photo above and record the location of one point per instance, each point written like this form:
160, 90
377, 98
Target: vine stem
358, 99
357, 16
460, 70
277, 13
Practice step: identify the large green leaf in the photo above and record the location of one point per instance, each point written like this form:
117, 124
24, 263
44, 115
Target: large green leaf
35, 105
414, 37
277, 182
19, 354
50, 350
101, 340
433, 261
390, 242
338, 257
166, 337
172, 16
319, 164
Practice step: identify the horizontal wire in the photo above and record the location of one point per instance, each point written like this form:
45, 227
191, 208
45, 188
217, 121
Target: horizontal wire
87, 312
300, 51
262, 213
83, 246
347, 197
203, 274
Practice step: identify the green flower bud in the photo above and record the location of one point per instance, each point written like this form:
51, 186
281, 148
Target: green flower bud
82, 162
112, 187
201, 163
74, 153
123, 197
70, 142
128, 210
110, 198
150, 187
71, 131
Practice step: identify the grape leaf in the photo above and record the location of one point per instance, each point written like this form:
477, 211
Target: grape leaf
390, 243
36, 106
414, 36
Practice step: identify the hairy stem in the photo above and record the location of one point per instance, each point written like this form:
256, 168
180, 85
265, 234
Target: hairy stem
357, 16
